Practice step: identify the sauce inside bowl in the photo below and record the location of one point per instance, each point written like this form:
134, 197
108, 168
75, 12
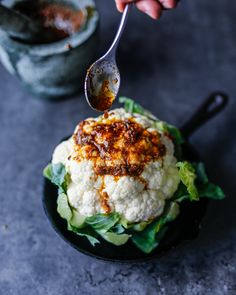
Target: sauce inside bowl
58, 20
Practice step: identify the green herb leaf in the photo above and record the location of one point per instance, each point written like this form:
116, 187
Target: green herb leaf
188, 176
103, 222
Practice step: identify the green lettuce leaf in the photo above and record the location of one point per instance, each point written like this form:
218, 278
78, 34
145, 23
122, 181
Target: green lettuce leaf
181, 194
171, 129
103, 222
175, 135
86, 232
117, 229
77, 220
140, 226
212, 191
201, 173
125, 223
116, 239
148, 239
134, 108
65, 211
172, 212
107, 226
201, 183
205, 187
188, 176
63, 207
57, 174
47, 172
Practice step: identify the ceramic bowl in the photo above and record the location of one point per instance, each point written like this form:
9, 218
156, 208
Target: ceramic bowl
56, 69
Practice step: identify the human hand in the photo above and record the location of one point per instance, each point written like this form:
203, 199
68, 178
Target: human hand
153, 8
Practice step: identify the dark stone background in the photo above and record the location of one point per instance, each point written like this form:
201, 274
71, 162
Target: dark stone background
168, 66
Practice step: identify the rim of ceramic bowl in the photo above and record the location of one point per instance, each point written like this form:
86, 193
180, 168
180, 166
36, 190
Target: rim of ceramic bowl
60, 46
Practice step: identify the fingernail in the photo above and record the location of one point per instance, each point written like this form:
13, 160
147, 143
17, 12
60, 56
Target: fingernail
168, 4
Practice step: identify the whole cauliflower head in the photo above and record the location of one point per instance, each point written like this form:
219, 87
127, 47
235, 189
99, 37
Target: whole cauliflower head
119, 162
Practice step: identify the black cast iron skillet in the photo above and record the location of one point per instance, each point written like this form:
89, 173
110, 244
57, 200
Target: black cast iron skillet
185, 227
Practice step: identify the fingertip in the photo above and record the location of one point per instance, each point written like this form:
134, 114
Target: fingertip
169, 4
119, 5
155, 14
120, 8
151, 8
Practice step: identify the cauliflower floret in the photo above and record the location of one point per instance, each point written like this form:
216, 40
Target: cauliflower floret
125, 188
86, 201
146, 205
153, 175
62, 152
82, 172
137, 198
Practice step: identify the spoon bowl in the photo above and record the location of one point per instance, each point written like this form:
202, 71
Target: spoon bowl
102, 84
102, 81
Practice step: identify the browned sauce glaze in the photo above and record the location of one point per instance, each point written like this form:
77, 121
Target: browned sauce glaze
117, 147
104, 198
59, 20
103, 101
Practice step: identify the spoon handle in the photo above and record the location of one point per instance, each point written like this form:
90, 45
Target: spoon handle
112, 50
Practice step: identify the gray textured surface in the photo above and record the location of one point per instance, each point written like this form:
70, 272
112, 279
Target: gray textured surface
170, 67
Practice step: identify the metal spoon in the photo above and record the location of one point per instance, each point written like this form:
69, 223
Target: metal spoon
102, 81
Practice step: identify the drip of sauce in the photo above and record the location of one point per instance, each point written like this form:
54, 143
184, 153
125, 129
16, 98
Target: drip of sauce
106, 114
103, 101
104, 202
104, 199
59, 20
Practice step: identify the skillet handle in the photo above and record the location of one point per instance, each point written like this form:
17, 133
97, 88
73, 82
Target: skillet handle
215, 103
